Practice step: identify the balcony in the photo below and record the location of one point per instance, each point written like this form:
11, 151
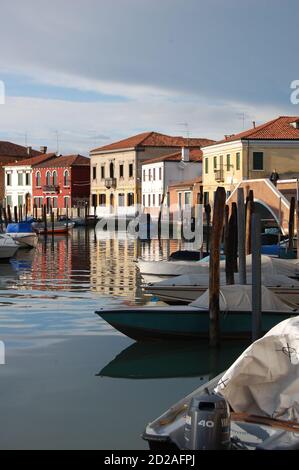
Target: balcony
51, 188
110, 183
219, 175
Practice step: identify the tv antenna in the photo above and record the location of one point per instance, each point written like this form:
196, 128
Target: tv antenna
242, 116
186, 125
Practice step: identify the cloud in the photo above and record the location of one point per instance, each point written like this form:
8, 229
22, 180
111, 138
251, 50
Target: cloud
83, 126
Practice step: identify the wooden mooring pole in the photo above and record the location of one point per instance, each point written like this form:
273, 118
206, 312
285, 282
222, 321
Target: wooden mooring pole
214, 275
208, 222
297, 225
256, 277
15, 209
241, 237
9, 214
291, 224
249, 212
230, 259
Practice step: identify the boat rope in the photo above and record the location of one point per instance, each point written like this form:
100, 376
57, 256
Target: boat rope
291, 426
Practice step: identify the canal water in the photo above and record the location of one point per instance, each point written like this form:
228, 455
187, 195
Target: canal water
70, 380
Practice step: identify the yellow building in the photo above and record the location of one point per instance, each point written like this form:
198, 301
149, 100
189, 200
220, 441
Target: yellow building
116, 169
252, 154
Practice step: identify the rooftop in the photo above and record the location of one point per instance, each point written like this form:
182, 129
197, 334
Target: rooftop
33, 160
277, 129
8, 149
64, 161
194, 155
153, 139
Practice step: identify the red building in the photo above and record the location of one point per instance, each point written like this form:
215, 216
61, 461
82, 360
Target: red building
61, 182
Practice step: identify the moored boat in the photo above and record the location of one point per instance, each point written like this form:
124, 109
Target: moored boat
59, 227
8, 247
192, 321
23, 233
187, 288
252, 406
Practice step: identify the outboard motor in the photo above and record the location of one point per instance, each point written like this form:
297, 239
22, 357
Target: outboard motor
207, 423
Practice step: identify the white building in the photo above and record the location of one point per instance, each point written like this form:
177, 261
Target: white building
159, 172
18, 181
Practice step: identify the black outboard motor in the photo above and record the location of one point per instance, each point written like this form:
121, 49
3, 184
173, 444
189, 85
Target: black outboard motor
207, 423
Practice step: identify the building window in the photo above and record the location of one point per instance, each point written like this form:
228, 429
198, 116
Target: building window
131, 170
187, 197
111, 170
121, 171
143, 175
48, 178
54, 176
37, 179
20, 179
102, 172
8, 201
121, 200
130, 199
180, 200
48, 202
66, 178
20, 199
66, 202
154, 174
258, 161
150, 174
8, 179
206, 198
38, 202
94, 172
149, 200
228, 162
55, 202
94, 200
238, 161
206, 166
27, 179
160, 173
154, 200
215, 163
143, 200
102, 199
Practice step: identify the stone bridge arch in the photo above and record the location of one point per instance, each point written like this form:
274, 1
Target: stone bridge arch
266, 194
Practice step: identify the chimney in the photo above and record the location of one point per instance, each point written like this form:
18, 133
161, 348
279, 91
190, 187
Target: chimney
29, 151
185, 154
253, 123
43, 149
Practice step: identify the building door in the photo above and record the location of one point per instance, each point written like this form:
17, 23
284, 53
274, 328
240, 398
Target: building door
28, 202
111, 202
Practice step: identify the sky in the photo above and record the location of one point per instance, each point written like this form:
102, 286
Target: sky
79, 74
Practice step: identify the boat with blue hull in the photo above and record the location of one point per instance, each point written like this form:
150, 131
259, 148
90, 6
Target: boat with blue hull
192, 321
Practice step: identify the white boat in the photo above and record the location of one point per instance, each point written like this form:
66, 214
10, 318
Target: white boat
26, 240
187, 288
270, 265
8, 247
254, 405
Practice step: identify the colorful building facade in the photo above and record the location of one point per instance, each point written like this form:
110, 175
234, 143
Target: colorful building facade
62, 182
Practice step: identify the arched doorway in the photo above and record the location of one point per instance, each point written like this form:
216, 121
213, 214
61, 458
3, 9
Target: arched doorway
28, 203
111, 170
111, 202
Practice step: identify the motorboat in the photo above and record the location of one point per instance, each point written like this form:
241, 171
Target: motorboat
254, 405
23, 233
153, 270
8, 247
192, 321
187, 288
59, 227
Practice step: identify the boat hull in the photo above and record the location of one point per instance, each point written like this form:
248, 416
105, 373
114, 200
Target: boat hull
26, 240
167, 323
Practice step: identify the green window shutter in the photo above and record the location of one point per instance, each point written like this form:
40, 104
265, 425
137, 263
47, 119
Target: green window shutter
238, 161
227, 162
215, 163
206, 165
258, 161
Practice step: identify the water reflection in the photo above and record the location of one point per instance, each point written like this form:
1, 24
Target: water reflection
171, 360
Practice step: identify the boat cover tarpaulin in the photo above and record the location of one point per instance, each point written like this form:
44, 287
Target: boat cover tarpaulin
264, 380
269, 264
269, 280
239, 298
20, 227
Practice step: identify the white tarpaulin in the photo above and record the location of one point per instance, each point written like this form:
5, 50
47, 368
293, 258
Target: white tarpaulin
265, 378
268, 280
238, 297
